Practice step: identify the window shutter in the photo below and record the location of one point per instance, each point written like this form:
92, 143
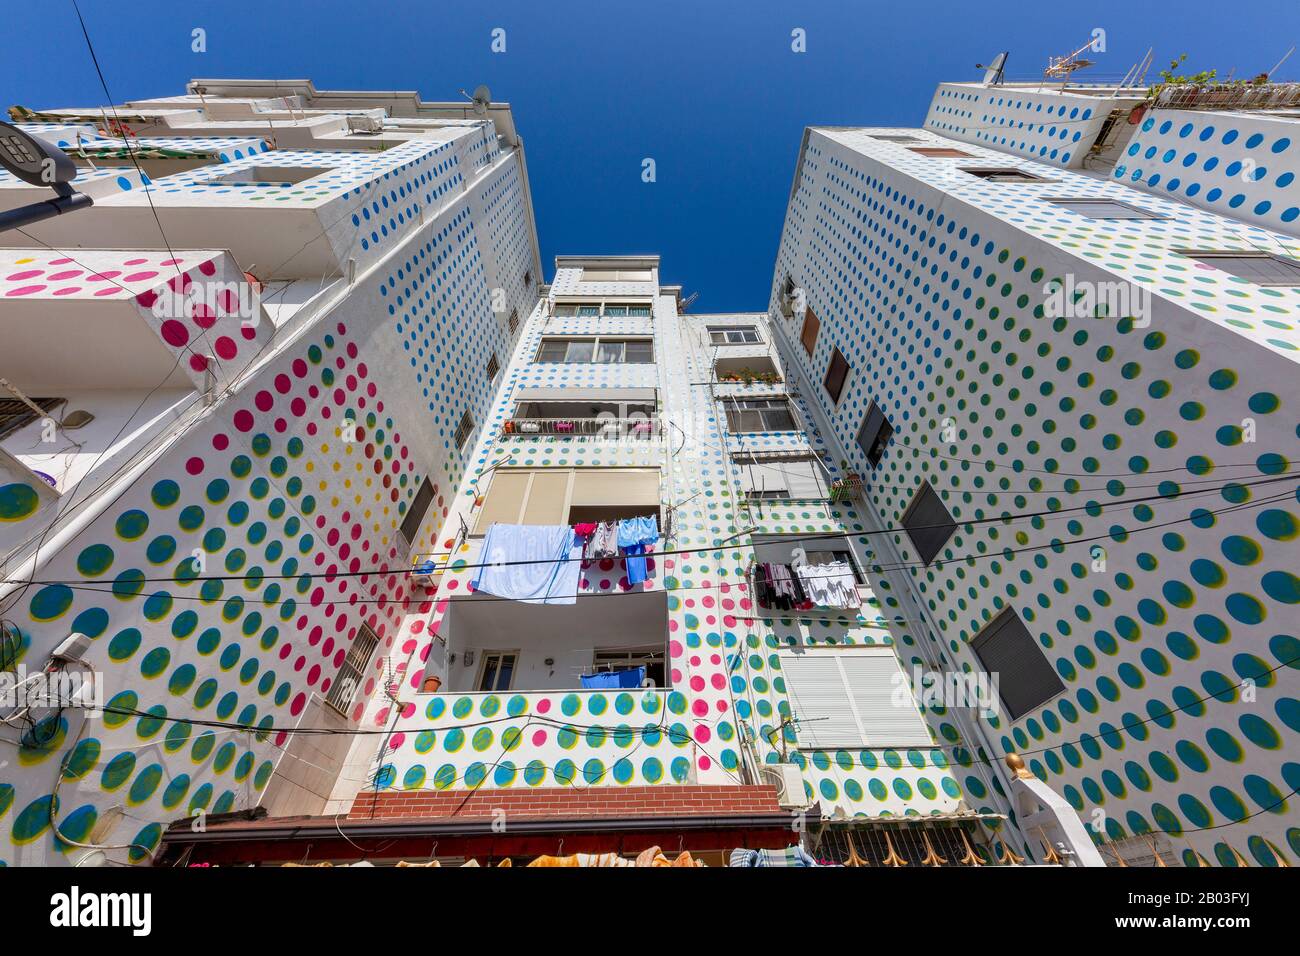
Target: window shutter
876, 684
414, 517
849, 697
505, 499
928, 523
815, 685
548, 497
1008, 652
607, 486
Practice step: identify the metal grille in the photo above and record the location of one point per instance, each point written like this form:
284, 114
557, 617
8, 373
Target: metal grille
15, 414
351, 674
493, 366
463, 429
907, 842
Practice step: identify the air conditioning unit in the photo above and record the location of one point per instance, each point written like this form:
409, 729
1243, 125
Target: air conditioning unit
368, 125
788, 780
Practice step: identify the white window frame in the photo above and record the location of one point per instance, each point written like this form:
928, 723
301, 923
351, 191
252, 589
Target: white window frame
596, 342
726, 330
484, 657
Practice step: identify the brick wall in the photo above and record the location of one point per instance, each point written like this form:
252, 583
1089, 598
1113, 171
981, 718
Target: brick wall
675, 801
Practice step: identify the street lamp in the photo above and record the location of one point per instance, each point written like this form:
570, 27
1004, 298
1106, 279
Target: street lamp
39, 163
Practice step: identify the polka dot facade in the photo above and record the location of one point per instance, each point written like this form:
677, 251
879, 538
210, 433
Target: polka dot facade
307, 468
1050, 127
1241, 165
724, 672
938, 307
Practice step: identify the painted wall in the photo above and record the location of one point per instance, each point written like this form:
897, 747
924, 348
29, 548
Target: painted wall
1134, 439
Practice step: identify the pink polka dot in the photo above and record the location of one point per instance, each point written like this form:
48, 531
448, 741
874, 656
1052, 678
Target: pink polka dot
175, 334
25, 290
226, 348
194, 466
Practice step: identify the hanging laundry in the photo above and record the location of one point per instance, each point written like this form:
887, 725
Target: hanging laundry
829, 585
603, 542
609, 680
585, 530
788, 856
537, 564
634, 534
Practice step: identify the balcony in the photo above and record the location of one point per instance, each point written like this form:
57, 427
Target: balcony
630, 414
747, 370
489, 645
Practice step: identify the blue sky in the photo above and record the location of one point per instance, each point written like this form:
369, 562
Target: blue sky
710, 89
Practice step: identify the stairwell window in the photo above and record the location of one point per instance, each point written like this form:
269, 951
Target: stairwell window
463, 430
493, 366
837, 373
808, 334
1104, 209
350, 679
928, 523
1261, 268
874, 434
1024, 677
941, 152
414, 518
1008, 174
514, 321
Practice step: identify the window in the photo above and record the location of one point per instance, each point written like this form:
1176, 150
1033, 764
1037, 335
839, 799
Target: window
351, 676
941, 152
270, 175
1104, 209
617, 275
616, 659
733, 335
528, 278
1261, 268
928, 523
15, 414
808, 334
874, 434
1007, 174
759, 415
591, 310
514, 321
463, 430
796, 549
410, 527
568, 495
776, 477
848, 697
836, 374
1025, 679
493, 366
496, 672
601, 350
896, 139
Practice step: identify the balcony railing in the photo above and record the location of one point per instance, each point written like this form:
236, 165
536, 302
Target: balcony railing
609, 428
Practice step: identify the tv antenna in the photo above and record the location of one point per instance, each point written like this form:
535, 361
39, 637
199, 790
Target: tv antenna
1063, 66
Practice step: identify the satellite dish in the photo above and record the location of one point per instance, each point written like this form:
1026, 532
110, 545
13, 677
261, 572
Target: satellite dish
993, 73
482, 99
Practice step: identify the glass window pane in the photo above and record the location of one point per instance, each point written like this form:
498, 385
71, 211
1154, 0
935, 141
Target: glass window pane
640, 351
579, 352
551, 352
505, 671
616, 310
564, 310
588, 310
639, 310
609, 352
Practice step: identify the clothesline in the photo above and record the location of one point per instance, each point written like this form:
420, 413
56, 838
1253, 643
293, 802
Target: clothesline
800, 587
540, 564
